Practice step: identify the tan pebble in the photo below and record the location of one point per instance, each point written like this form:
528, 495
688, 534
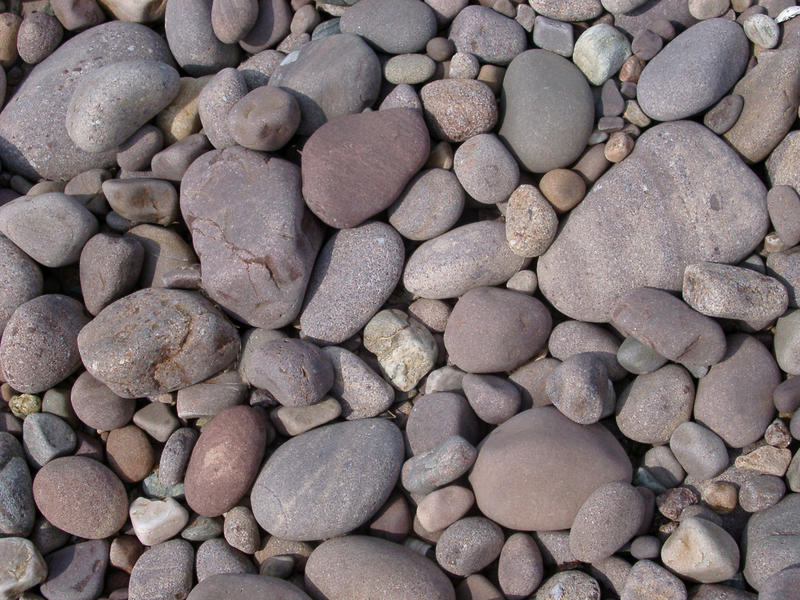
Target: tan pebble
773, 243
9, 27
564, 188
592, 164
766, 460
125, 550
631, 69
531, 222
492, 75
181, 118
441, 156
619, 146
721, 496
635, 115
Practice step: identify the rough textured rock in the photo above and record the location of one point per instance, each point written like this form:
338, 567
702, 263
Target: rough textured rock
359, 568
156, 341
354, 275
256, 253
20, 279
656, 234
165, 570
540, 82
457, 109
225, 460
81, 496
469, 256
693, 71
356, 166
305, 493
330, 77
33, 133
488, 35
492, 329
39, 347
535, 470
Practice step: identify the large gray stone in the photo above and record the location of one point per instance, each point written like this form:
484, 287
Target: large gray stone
191, 39
329, 481
694, 70
156, 341
535, 471
255, 238
331, 77
545, 98
771, 540
33, 132
392, 26
682, 196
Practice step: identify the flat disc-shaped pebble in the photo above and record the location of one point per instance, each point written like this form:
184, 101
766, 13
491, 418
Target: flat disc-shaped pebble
355, 166
33, 133
191, 38
244, 586
113, 102
156, 341
255, 238
693, 71
469, 256
330, 77
681, 196
39, 347
361, 568
535, 470
81, 496
225, 460
541, 83
492, 329
354, 275
328, 481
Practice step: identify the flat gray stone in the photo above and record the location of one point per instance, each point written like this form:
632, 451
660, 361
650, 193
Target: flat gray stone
661, 223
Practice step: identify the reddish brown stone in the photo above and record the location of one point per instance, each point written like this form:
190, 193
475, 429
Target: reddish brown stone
129, 453
225, 460
356, 166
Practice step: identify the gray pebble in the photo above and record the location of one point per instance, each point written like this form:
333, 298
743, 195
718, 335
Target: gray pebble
646, 547
294, 420
787, 342
304, 492
20, 279
265, 119
165, 570
231, 20
172, 162
241, 530
273, 24
47, 537
51, 228
662, 464
580, 388
409, 69
401, 96
575, 337
212, 396
110, 266
135, 153
192, 41
215, 102
45, 437
494, 399
361, 392
38, 36
202, 528
97, 406
487, 34
435, 417
175, 455
646, 44
724, 114
486, 169
760, 492
76, 572
654, 404
443, 464
258, 68
469, 545
354, 275
157, 420
555, 36
648, 579
17, 509
217, 557
429, 206
39, 348
699, 450
569, 584
600, 51
520, 568
636, 357
164, 251
113, 102
783, 205
729, 292
464, 65
163, 363
393, 26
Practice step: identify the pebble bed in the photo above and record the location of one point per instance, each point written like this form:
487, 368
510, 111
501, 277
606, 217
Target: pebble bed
399, 300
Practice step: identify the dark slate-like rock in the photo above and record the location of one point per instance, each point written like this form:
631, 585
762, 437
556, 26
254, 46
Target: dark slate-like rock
538, 82
255, 239
156, 341
328, 481
694, 70
330, 77
657, 224
33, 132
535, 470
356, 166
